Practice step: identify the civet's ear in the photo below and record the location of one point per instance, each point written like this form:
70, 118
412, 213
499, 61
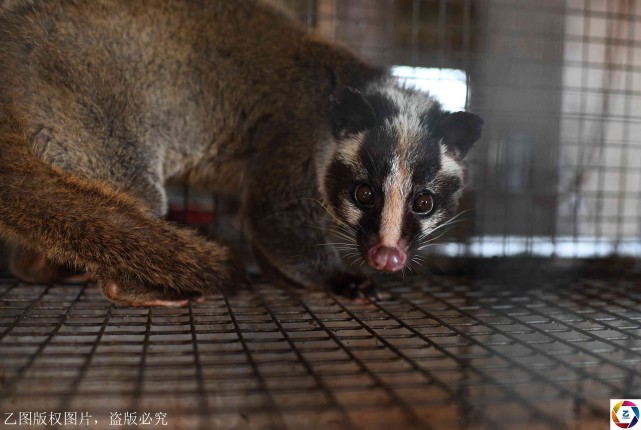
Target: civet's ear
351, 113
459, 131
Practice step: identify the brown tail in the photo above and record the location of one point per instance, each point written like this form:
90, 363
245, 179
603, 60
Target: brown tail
96, 228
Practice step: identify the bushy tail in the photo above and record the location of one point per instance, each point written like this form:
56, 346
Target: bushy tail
94, 227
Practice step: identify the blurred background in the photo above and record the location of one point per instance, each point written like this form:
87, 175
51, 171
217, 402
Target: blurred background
558, 170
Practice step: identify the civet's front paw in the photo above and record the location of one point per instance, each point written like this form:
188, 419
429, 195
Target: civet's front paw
354, 287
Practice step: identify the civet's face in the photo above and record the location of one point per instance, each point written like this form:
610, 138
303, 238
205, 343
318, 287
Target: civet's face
397, 173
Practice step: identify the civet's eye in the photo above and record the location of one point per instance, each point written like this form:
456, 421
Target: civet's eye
364, 195
424, 203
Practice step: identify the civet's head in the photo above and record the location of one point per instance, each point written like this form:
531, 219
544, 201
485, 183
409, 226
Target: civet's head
396, 173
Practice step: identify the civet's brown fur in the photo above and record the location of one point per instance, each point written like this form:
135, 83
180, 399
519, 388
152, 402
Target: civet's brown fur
101, 101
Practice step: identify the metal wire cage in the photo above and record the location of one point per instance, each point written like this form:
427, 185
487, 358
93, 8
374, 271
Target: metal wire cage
440, 355
556, 174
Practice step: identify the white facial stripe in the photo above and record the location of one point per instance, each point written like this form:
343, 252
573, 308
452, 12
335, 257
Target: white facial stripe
346, 151
450, 170
412, 104
410, 134
430, 225
399, 183
395, 190
349, 148
324, 156
449, 166
351, 213
396, 186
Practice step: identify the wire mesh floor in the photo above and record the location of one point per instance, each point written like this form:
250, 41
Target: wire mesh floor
443, 353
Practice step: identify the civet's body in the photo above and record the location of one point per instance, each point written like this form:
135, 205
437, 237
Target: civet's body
102, 101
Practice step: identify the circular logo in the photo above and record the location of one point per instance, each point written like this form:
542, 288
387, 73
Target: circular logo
625, 414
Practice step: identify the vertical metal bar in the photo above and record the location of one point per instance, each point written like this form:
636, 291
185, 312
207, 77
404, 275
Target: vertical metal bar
604, 118
625, 160
186, 201
416, 10
582, 151
490, 138
442, 30
467, 47
389, 31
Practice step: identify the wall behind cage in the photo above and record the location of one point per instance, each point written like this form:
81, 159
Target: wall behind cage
558, 170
